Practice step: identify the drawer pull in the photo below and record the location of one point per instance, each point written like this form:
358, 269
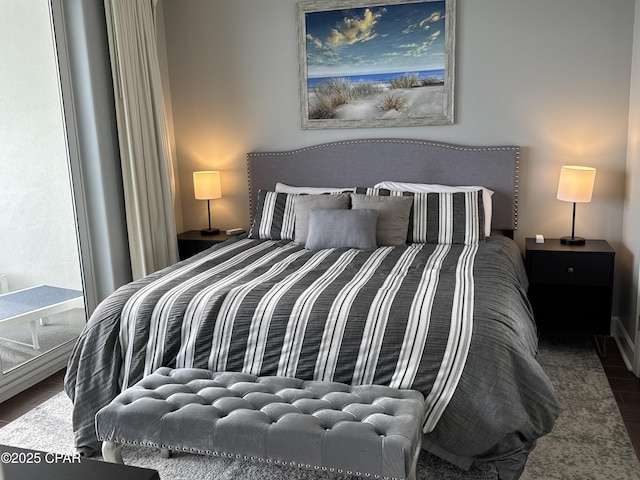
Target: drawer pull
570, 270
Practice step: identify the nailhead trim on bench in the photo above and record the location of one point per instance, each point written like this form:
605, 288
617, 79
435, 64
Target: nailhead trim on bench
248, 458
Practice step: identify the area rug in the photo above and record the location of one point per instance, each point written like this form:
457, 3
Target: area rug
589, 441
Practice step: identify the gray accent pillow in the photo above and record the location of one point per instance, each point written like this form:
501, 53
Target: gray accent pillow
305, 204
342, 229
393, 216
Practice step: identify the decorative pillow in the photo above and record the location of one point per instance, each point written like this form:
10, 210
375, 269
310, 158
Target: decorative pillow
442, 217
284, 188
305, 204
342, 229
274, 217
393, 216
436, 188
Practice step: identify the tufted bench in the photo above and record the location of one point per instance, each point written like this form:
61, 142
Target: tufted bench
368, 430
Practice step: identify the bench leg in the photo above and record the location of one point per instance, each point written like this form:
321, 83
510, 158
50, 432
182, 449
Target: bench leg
414, 465
112, 452
33, 326
165, 453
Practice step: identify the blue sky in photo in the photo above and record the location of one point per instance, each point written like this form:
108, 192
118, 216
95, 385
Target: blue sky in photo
378, 39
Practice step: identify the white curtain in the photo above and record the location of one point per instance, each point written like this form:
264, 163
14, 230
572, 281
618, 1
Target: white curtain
142, 129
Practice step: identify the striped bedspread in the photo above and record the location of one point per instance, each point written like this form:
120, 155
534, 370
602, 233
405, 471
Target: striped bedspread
272, 308
404, 316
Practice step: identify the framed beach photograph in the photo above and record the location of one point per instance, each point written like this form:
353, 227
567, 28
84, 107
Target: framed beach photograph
383, 63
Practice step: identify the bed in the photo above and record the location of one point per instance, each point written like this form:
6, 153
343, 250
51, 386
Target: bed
444, 311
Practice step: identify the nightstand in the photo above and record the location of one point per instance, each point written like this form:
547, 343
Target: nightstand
570, 287
192, 242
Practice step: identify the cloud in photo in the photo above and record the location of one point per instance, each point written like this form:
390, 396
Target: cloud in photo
393, 38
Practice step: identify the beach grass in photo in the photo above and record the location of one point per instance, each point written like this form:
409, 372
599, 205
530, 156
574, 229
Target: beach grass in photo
410, 80
393, 101
332, 93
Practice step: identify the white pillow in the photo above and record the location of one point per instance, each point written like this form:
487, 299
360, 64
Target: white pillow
284, 188
435, 188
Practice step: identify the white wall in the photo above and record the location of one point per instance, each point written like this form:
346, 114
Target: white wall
552, 77
37, 228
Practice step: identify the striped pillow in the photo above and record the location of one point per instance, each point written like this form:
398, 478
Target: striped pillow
444, 217
275, 216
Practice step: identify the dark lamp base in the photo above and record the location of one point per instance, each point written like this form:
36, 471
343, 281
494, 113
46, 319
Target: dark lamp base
572, 241
210, 231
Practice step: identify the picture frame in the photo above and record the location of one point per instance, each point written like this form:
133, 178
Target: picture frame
376, 63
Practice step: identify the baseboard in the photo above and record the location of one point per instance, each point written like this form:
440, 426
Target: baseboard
36, 370
624, 341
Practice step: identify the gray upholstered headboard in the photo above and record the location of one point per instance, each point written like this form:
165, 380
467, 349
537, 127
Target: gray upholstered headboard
363, 163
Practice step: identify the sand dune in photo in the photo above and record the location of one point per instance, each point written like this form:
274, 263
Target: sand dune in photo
417, 101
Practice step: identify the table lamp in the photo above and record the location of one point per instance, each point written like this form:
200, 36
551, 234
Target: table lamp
575, 185
206, 186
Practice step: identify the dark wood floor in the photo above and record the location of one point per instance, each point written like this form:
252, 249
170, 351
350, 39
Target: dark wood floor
625, 386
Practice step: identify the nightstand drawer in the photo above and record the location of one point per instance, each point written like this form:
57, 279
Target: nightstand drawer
563, 268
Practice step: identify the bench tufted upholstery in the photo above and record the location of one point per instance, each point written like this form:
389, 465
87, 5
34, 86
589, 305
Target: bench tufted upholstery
367, 430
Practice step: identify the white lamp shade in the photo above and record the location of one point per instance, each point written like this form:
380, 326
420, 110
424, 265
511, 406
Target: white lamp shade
206, 185
576, 183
